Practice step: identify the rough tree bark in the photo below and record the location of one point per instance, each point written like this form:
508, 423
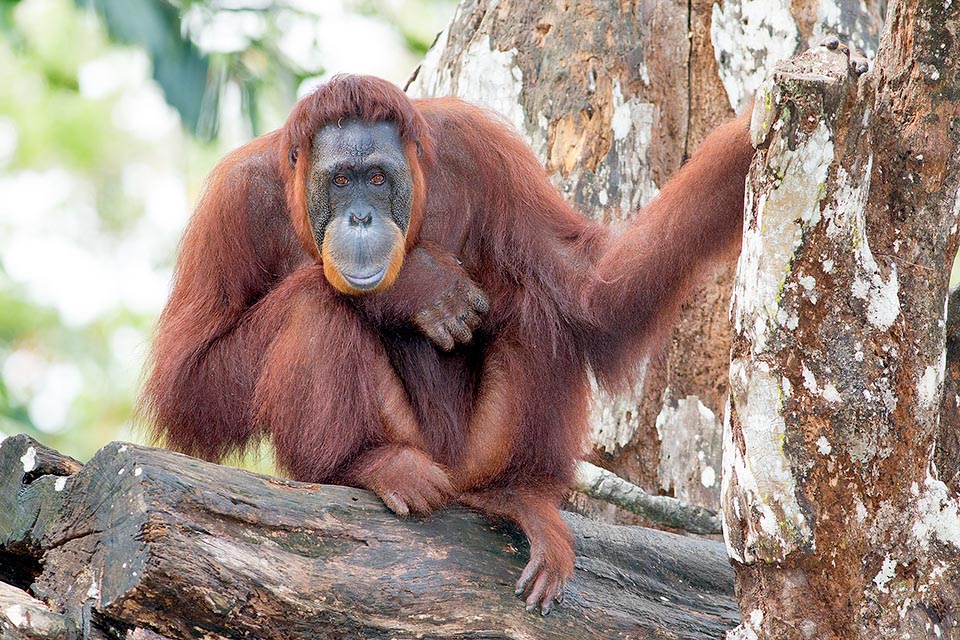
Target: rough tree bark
143, 541
612, 97
834, 511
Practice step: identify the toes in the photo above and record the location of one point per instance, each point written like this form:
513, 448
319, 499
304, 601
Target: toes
440, 481
395, 503
432, 327
546, 592
553, 595
859, 65
476, 297
532, 569
432, 496
471, 319
535, 597
443, 339
418, 504
460, 332
481, 302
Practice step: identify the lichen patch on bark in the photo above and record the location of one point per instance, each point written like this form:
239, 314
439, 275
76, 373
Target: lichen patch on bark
745, 30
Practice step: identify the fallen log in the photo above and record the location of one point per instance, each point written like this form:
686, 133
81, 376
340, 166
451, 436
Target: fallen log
142, 541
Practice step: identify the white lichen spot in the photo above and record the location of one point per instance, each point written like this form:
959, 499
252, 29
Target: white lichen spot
905, 607
492, 78
632, 128
808, 282
830, 393
60, 484
137, 471
830, 13
860, 288
708, 416
622, 119
810, 381
748, 628
847, 222
858, 356
773, 518
643, 73
487, 76
18, 617
827, 266
94, 590
708, 477
956, 210
845, 211
884, 305
928, 387
29, 460
860, 509
887, 572
823, 446
938, 515
614, 419
785, 386
888, 398
120, 473
122, 448
769, 243
748, 36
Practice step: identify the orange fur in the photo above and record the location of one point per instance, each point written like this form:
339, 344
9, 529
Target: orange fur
419, 195
260, 338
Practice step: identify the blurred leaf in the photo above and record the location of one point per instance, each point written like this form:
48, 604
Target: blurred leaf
19, 317
178, 66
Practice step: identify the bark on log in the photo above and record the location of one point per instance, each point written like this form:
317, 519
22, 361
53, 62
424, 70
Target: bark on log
833, 507
613, 96
149, 539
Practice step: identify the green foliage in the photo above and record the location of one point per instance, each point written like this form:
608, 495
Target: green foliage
193, 81
178, 66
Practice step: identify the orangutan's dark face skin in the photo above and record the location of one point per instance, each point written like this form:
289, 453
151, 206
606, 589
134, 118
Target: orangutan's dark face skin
359, 197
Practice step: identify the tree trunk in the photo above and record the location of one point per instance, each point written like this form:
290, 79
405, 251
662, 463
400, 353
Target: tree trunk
142, 541
613, 97
947, 454
834, 511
